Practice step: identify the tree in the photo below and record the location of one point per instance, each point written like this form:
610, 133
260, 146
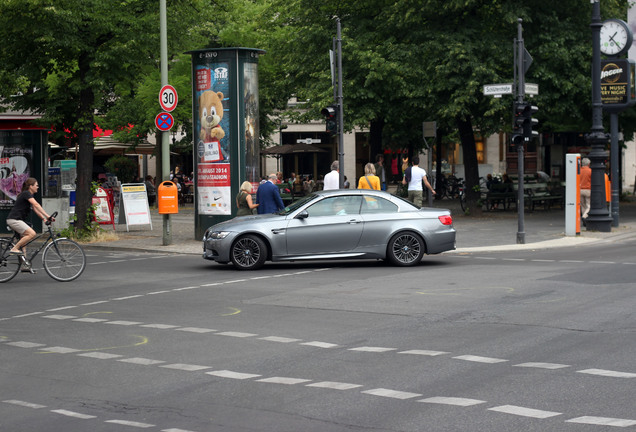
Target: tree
71, 61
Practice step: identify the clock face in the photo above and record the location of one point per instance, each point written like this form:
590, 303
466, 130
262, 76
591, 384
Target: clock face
616, 37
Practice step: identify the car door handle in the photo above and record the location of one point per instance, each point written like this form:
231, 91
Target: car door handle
354, 221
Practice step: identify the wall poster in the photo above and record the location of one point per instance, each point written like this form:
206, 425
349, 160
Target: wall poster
16, 160
213, 138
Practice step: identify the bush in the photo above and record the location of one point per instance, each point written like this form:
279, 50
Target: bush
124, 168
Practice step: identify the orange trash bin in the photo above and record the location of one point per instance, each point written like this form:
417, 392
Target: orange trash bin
168, 198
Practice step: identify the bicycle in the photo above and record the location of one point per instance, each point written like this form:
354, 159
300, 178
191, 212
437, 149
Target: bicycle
63, 259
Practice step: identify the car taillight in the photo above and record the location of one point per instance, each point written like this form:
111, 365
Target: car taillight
446, 219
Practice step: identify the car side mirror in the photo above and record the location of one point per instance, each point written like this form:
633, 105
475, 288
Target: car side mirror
302, 215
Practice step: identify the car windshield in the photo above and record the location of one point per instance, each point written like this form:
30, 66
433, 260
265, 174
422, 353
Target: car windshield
297, 204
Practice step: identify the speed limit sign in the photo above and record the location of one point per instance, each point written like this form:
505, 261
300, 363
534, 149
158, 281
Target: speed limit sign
168, 98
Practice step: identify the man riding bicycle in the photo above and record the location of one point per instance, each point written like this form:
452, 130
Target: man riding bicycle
16, 220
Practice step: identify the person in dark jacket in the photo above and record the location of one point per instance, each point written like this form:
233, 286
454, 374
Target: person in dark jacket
268, 197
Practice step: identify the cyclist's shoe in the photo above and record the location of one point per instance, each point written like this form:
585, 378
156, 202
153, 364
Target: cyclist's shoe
27, 267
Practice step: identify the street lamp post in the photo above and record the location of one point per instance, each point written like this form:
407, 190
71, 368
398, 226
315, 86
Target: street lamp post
598, 218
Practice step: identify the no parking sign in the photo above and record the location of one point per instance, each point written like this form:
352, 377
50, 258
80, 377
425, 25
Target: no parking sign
164, 121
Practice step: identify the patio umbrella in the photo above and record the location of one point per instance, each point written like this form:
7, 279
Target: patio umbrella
292, 148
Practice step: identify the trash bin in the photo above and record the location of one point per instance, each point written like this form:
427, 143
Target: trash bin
168, 198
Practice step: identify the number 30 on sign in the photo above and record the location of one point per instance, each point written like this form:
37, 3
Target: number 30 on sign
168, 98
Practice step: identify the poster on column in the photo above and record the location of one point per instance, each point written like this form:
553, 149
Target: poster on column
212, 131
15, 166
214, 192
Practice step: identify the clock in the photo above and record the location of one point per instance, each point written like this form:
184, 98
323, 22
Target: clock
616, 37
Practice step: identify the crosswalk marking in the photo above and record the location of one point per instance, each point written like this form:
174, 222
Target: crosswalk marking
73, 414
542, 365
424, 352
24, 404
232, 375
141, 361
334, 385
464, 402
525, 412
608, 373
479, 359
372, 349
391, 393
283, 380
603, 421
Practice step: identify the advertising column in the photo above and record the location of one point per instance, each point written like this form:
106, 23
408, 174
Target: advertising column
225, 130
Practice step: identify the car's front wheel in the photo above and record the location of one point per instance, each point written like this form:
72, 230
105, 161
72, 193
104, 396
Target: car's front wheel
248, 253
405, 249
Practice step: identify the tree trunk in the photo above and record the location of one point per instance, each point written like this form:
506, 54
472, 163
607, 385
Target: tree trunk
83, 195
375, 138
471, 166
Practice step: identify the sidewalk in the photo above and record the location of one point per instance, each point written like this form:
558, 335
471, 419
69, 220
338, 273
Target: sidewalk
494, 231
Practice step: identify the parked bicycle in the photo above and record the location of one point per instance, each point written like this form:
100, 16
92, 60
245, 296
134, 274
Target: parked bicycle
63, 259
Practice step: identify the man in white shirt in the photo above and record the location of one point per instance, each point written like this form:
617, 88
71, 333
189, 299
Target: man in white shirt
417, 175
332, 179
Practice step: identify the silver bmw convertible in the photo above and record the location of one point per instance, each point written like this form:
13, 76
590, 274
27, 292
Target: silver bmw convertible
334, 224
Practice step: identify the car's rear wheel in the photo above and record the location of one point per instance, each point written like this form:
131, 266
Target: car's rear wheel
405, 249
248, 253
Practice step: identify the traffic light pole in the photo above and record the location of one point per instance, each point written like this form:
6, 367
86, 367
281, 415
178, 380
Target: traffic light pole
339, 102
521, 91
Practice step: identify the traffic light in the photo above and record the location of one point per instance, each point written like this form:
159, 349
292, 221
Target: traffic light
331, 118
523, 123
529, 123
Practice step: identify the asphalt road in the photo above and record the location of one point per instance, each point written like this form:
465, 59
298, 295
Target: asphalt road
480, 341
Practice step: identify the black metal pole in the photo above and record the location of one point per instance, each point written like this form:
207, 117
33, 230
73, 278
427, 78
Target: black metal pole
340, 105
521, 92
598, 218
615, 177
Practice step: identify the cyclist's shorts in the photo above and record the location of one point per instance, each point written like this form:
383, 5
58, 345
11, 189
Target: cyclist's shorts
17, 225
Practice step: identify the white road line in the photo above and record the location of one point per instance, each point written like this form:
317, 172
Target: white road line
391, 393
259, 277
74, 414
571, 261
61, 308
525, 412
195, 330
59, 317
334, 385
320, 344
485, 258
424, 352
128, 297
279, 339
235, 281
603, 421
212, 284
95, 303
602, 262
90, 320
233, 375
24, 404
185, 367
464, 402
124, 323
100, 355
513, 259
479, 359
28, 314
283, 380
542, 260
608, 373
159, 326
22, 344
237, 334
141, 361
372, 349
542, 365
159, 292
59, 350
186, 288
131, 423
175, 430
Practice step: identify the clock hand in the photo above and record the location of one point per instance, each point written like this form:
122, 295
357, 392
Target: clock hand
613, 40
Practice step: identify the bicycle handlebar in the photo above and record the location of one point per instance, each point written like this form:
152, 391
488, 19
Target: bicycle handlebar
50, 219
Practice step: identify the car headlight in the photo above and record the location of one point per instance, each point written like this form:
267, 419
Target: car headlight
218, 235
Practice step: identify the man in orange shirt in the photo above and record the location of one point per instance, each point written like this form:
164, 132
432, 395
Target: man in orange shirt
586, 187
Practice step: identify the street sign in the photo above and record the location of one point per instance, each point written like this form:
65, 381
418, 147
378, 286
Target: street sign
168, 98
308, 141
429, 129
497, 89
164, 121
532, 89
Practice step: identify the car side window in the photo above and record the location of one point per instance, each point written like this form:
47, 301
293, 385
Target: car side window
336, 206
374, 204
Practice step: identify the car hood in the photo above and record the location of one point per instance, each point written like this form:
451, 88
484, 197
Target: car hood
239, 222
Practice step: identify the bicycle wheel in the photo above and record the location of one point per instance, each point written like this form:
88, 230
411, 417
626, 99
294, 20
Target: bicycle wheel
9, 264
63, 259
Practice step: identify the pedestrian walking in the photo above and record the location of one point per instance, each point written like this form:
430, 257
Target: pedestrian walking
268, 196
369, 180
244, 202
380, 171
586, 188
332, 179
414, 176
